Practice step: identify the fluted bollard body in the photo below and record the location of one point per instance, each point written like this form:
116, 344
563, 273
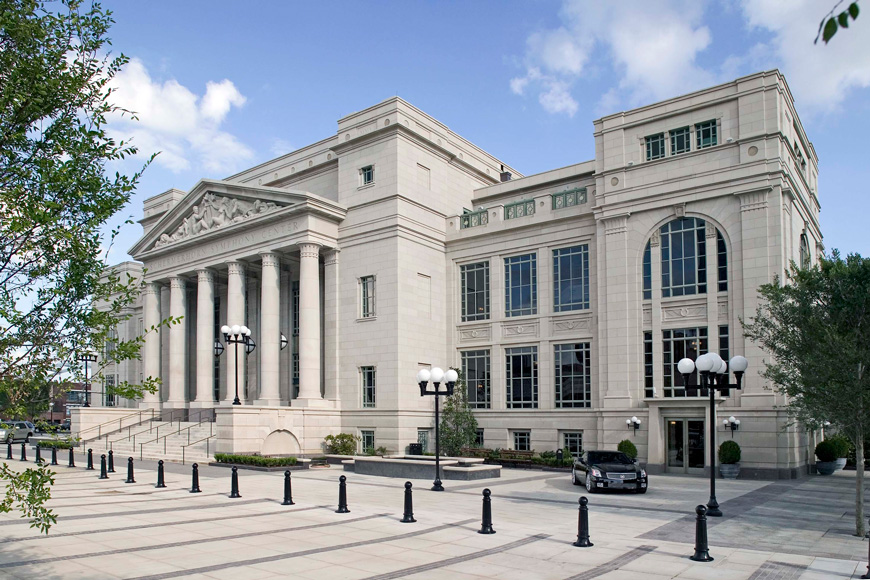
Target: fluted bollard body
583, 525
288, 489
194, 486
72, 458
54, 455
130, 478
24, 452
486, 525
9, 450
408, 516
90, 458
103, 472
342, 496
702, 551
234, 483
160, 480
111, 461
38, 455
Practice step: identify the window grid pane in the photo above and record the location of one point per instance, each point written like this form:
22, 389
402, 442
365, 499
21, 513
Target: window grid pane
476, 372
724, 351
647, 272
573, 375
655, 146
368, 174
722, 254
367, 298
520, 285
295, 293
648, 388
478, 441
680, 142
522, 441
678, 344
573, 442
368, 386
522, 377
684, 257
367, 441
706, 134
571, 278
475, 291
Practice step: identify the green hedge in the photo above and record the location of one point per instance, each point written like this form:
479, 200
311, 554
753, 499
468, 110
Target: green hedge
729, 452
826, 451
628, 448
58, 444
257, 460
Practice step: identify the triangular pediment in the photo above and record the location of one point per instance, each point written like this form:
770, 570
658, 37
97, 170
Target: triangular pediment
214, 206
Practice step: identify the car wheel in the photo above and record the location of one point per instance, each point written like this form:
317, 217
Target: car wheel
589, 486
574, 479
641, 490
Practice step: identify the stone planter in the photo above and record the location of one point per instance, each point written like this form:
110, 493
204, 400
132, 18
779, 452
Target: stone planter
841, 463
729, 470
826, 467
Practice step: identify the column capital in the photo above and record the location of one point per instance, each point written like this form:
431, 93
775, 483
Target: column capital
309, 250
270, 259
205, 275
330, 256
152, 288
235, 267
177, 283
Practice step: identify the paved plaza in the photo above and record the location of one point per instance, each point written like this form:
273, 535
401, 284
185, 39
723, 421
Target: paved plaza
109, 529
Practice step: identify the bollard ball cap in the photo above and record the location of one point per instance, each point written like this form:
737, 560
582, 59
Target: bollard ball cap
584, 500
160, 462
486, 492
701, 510
287, 473
196, 465
235, 468
407, 485
103, 456
342, 479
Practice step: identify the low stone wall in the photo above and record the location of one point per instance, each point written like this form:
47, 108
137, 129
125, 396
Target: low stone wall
422, 468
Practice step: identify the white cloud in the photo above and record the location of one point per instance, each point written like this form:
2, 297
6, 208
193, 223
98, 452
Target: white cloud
172, 119
820, 76
557, 99
281, 147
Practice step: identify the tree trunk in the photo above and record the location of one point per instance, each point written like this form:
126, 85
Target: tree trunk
859, 486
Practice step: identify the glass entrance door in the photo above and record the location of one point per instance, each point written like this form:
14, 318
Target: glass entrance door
685, 445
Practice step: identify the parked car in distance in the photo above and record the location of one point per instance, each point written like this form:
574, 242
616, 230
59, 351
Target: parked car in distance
65, 425
16, 430
608, 470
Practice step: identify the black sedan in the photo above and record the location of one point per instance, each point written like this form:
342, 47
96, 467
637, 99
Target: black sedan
608, 470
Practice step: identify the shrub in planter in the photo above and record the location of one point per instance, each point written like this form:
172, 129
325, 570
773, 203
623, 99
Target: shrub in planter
59, 443
843, 449
628, 448
729, 459
257, 460
826, 452
341, 444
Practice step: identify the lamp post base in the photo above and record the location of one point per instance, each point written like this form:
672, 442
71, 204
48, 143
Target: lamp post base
236, 401
713, 508
436, 485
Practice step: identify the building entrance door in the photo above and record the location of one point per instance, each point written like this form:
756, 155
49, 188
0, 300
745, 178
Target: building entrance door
685, 444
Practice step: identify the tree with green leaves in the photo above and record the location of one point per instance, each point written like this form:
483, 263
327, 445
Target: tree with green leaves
833, 21
56, 298
816, 327
458, 425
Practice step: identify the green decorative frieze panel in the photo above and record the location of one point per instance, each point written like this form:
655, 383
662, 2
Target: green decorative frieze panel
474, 219
519, 209
569, 198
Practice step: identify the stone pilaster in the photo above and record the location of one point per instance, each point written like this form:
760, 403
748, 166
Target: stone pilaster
309, 323
204, 396
331, 323
151, 348
270, 331
177, 343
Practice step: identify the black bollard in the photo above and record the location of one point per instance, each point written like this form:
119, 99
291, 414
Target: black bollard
54, 455
583, 525
288, 490
408, 516
72, 458
160, 481
486, 525
103, 473
194, 487
342, 496
234, 483
130, 478
702, 552
24, 452
38, 455
90, 458
111, 461
9, 450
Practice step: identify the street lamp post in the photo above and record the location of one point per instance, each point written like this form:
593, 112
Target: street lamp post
238, 335
713, 372
86, 358
437, 375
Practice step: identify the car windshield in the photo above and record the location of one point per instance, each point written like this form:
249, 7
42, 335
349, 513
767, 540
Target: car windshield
609, 457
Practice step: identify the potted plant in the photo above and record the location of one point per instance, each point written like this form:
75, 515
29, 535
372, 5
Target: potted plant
628, 448
842, 449
729, 459
826, 452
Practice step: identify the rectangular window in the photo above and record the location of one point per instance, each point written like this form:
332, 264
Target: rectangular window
724, 351
684, 257
367, 441
680, 141
423, 439
706, 133
476, 373
109, 345
573, 442
648, 388
367, 174
722, 254
295, 306
368, 386
474, 288
522, 377
367, 296
521, 285
571, 278
522, 441
678, 344
478, 440
295, 374
647, 272
573, 375
109, 390
655, 146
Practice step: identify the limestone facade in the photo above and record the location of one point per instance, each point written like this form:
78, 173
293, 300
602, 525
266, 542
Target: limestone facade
565, 296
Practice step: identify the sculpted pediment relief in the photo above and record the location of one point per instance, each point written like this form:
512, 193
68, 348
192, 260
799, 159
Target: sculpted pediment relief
215, 212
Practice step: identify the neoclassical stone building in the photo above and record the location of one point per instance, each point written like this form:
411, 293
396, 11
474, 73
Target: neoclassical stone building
566, 297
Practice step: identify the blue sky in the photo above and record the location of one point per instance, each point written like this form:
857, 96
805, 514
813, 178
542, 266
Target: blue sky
220, 86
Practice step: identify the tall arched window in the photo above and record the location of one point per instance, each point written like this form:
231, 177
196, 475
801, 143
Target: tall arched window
684, 257
806, 261
647, 273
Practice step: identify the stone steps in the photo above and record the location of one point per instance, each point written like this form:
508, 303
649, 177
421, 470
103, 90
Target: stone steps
170, 446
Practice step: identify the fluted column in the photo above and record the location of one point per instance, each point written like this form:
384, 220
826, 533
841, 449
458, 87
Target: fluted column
330, 324
270, 330
177, 342
151, 348
235, 315
309, 323
204, 396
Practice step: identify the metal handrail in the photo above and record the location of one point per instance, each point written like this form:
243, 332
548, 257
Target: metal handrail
99, 427
164, 437
184, 447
